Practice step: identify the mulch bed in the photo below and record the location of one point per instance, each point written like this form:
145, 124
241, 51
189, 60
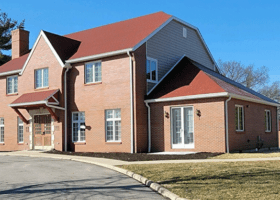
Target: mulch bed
138, 156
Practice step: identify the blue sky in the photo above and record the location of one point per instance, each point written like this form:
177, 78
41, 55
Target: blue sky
246, 31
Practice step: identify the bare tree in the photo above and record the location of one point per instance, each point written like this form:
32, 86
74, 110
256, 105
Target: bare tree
272, 91
246, 75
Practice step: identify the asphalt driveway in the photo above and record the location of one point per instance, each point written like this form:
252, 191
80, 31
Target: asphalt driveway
45, 178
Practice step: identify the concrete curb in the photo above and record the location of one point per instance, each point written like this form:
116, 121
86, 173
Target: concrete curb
154, 186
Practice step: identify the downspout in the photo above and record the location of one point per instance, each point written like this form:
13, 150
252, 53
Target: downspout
131, 104
68, 66
149, 127
226, 110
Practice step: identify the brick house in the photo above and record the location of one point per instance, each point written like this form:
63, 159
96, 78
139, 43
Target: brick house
144, 84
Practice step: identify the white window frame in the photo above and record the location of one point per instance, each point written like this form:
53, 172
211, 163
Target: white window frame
42, 78
238, 128
19, 124
13, 84
2, 125
79, 121
155, 60
114, 119
266, 120
183, 145
93, 72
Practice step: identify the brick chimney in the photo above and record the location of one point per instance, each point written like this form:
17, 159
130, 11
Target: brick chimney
20, 43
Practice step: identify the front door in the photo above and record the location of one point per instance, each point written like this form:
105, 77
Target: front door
182, 127
42, 130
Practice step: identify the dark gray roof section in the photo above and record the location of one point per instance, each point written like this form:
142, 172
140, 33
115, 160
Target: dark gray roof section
229, 81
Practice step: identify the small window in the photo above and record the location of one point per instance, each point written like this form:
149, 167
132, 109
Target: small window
151, 70
20, 131
12, 84
42, 78
113, 125
184, 32
239, 118
78, 127
93, 72
267, 121
2, 130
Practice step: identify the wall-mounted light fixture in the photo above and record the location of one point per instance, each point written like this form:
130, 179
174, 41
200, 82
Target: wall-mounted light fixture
198, 113
166, 114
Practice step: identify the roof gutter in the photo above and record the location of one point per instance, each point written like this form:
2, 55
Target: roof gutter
10, 72
102, 55
213, 95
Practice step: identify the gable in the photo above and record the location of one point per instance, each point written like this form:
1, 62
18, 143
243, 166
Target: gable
185, 79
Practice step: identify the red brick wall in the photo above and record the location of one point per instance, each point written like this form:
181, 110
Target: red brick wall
112, 93
41, 58
209, 129
140, 109
254, 116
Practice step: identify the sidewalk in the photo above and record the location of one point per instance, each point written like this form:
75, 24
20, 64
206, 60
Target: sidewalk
112, 162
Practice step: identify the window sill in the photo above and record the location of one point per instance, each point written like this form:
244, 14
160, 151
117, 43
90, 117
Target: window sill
79, 143
44, 88
268, 131
151, 81
12, 94
96, 83
113, 142
240, 132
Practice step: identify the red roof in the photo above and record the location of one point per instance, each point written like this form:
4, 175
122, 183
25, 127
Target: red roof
35, 96
117, 36
15, 64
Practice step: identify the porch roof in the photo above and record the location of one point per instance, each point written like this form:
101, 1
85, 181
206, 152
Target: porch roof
35, 98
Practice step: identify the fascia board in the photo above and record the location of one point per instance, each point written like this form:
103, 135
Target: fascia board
41, 34
189, 97
27, 103
10, 72
236, 96
102, 55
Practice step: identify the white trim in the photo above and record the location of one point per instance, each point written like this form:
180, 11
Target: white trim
13, 85
166, 74
113, 119
10, 72
266, 121
182, 145
28, 103
189, 97
152, 34
41, 34
238, 117
79, 124
156, 61
102, 55
131, 103
236, 96
93, 71
212, 95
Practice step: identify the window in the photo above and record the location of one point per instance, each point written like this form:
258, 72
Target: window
78, 127
113, 125
267, 121
20, 131
182, 122
1, 130
93, 72
42, 78
239, 118
151, 70
12, 84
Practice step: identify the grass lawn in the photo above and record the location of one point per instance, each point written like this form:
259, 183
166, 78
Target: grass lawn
246, 155
222, 180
